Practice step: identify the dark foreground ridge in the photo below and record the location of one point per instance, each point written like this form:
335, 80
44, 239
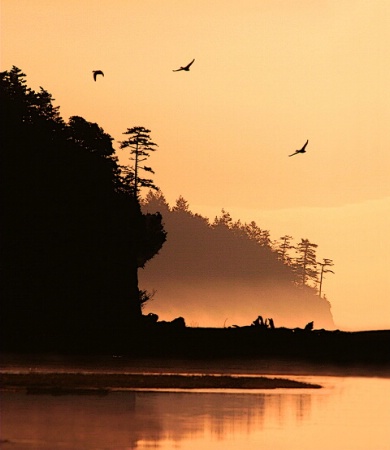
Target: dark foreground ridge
173, 340
92, 383
318, 346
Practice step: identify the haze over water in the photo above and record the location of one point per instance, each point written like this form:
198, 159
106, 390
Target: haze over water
347, 413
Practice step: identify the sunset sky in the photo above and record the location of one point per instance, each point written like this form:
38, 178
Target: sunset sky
268, 74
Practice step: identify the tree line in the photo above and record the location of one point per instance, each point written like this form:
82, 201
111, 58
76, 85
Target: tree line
300, 258
73, 235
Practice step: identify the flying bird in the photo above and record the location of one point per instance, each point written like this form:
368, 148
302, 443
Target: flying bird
96, 73
186, 68
302, 150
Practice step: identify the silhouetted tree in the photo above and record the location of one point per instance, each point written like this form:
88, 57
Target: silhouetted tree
140, 144
21, 105
181, 205
152, 238
305, 264
145, 296
283, 247
254, 232
155, 202
324, 264
90, 136
225, 219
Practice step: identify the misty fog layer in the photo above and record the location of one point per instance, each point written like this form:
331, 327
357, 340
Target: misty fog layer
213, 275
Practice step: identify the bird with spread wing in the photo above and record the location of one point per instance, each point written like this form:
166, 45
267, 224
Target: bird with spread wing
186, 68
96, 73
302, 150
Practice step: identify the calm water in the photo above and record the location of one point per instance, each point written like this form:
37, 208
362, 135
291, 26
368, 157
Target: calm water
348, 413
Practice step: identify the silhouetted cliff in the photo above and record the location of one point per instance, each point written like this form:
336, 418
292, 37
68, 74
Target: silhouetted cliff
72, 235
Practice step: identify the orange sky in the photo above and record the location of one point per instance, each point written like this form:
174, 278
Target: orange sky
268, 75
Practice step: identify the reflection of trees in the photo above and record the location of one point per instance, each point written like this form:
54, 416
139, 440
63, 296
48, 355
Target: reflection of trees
185, 416
73, 421
134, 420
303, 406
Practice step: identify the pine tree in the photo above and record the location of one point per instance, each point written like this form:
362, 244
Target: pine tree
283, 247
305, 264
140, 144
326, 263
181, 205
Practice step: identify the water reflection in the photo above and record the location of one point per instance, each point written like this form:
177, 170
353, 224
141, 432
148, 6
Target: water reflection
348, 413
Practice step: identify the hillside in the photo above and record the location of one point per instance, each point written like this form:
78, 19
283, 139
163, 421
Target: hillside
72, 235
216, 275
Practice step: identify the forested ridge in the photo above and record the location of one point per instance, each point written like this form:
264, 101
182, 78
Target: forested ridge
72, 232
223, 272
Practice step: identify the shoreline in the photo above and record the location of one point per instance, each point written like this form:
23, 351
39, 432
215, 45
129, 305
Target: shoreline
98, 383
167, 341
